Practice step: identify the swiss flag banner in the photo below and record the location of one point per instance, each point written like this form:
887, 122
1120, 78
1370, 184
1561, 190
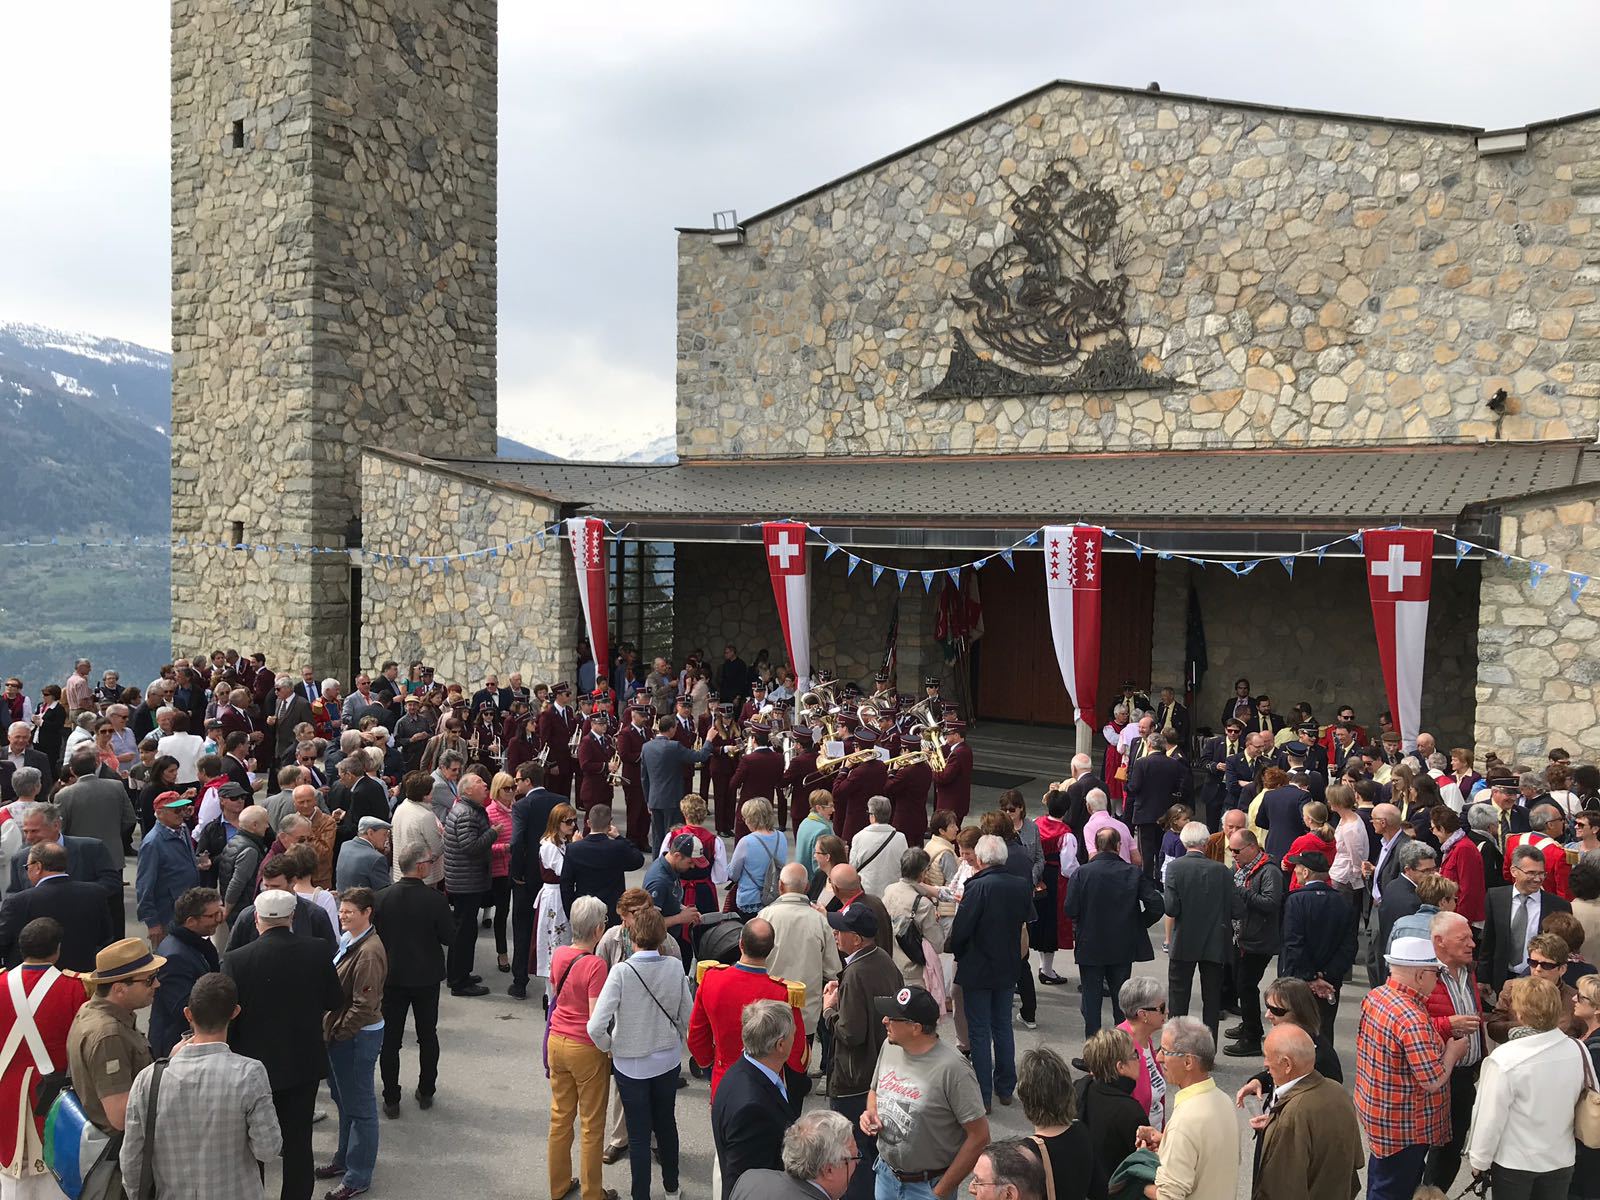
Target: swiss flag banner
787, 561
1072, 587
588, 538
1400, 580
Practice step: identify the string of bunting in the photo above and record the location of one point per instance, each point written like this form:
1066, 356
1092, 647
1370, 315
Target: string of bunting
1576, 581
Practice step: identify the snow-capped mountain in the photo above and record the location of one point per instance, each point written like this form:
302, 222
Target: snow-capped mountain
592, 448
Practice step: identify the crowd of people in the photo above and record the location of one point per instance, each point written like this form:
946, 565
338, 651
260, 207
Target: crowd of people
817, 924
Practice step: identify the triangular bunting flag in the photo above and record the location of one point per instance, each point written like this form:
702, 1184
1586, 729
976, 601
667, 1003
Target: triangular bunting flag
1033, 539
829, 552
854, 563
877, 573
1006, 554
927, 580
1575, 585
1287, 562
955, 575
1536, 573
902, 576
1357, 539
1461, 550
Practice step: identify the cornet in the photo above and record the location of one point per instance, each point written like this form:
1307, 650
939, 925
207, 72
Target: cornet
614, 769
905, 760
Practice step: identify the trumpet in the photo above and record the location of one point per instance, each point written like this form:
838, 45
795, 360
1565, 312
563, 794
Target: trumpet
905, 760
577, 738
614, 770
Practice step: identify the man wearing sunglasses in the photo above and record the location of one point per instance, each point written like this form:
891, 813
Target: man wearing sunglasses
1514, 917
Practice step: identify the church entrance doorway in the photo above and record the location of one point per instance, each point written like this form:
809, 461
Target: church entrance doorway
1015, 672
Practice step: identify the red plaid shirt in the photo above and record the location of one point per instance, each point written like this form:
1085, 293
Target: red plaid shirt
1398, 1054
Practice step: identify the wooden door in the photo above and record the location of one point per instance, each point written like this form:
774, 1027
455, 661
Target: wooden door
1016, 674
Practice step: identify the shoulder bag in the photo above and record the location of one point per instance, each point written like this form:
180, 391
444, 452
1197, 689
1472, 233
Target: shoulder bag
1586, 1116
147, 1162
1044, 1161
555, 999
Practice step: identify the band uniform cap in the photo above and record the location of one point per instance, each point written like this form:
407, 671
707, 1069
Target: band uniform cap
174, 800
952, 725
275, 904
598, 718
641, 708
557, 688
930, 682
865, 733
857, 919
1411, 952
131, 958
368, 823
881, 676
684, 698
725, 709
909, 1004
685, 845
758, 727
1307, 727
803, 733
757, 685
1503, 784
1314, 861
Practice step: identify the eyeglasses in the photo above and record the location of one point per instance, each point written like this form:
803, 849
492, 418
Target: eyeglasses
1541, 964
1277, 1011
1163, 1052
1529, 874
1155, 1008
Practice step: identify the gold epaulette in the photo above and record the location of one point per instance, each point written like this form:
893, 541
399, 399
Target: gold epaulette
702, 966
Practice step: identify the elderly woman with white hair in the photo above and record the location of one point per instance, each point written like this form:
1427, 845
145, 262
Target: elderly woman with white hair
1143, 1000
579, 1071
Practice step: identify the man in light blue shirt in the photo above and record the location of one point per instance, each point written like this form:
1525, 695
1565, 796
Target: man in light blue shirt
758, 1097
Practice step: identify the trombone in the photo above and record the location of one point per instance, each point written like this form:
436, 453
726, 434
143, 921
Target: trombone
828, 766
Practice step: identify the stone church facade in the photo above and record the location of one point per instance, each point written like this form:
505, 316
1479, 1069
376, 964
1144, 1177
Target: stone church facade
1228, 328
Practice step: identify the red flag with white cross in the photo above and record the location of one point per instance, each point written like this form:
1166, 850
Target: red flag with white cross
789, 565
1400, 580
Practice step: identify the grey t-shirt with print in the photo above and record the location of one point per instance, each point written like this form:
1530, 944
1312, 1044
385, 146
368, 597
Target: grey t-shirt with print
923, 1102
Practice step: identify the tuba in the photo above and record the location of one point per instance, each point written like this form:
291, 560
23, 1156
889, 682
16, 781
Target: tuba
932, 747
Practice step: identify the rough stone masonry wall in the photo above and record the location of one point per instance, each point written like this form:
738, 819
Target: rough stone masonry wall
516, 612
333, 285
724, 594
1308, 280
1310, 638
1539, 673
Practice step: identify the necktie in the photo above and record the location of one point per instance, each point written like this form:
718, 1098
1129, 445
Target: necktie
1505, 828
1519, 928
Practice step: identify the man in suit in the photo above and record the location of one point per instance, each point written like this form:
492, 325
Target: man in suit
1515, 914
490, 695
1510, 817
758, 1097
986, 940
557, 724
289, 709
286, 984
1415, 859
1319, 936
530, 813
87, 860
416, 924
733, 677
190, 953
664, 764
597, 864
1214, 755
1263, 720
1155, 783
1199, 897
79, 907
446, 783
95, 807
1112, 903
20, 753
1241, 767
952, 787
821, 1137
1084, 781
1172, 718
1388, 838
1239, 704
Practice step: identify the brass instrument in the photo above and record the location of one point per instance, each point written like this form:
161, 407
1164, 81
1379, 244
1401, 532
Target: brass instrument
577, 738
921, 713
868, 714
905, 760
788, 748
828, 766
934, 749
614, 770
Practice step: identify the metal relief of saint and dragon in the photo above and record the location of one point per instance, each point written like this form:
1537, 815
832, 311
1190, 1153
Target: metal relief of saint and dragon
1054, 294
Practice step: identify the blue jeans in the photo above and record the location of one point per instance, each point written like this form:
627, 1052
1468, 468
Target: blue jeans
351, 1064
1396, 1176
887, 1187
994, 1055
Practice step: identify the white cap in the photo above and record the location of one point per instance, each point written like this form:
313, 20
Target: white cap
275, 904
1411, 952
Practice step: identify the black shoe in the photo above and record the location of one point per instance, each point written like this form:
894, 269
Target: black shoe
391, 1109
1248, 1048
683, 1083
1238, 1031
488, 923
694, 1069
1051, 980
474, 978
469, 989
424, 1101
518, 991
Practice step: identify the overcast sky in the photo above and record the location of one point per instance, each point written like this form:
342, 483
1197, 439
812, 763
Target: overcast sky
620, 120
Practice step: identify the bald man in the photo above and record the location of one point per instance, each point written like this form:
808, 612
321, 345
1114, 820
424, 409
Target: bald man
1308, 1140
802, 944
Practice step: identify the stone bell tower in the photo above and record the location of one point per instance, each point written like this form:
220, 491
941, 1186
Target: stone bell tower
333, 285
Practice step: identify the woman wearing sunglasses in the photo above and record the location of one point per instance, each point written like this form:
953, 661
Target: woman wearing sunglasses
1290, 1002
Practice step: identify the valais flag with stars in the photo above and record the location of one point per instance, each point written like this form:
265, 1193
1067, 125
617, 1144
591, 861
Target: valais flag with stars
788, 563
1072, 586
588, 538
1399, 579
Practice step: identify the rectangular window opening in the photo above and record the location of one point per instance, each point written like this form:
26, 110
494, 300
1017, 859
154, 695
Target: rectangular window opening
238, 534
238, 135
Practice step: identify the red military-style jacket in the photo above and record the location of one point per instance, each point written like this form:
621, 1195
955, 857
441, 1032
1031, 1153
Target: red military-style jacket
714, 1033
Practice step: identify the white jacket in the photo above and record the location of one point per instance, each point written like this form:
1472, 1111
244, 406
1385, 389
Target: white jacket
1527, 1091
802, 949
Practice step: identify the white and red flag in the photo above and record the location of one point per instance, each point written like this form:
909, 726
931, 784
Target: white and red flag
588, 538
1072, 587
1399, 580
789, 564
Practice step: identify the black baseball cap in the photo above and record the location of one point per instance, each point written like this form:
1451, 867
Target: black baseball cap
857, 919
1314, 861
909, 1004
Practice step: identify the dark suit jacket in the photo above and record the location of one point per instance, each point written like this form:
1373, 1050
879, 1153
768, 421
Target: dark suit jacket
749, 1117
1319, 934
87, 862
597, 865
283, 731
287, 984
1386, 874
1279, 815
1157, 782
529, 816
81, 909
30, 758
663, 763
1112, 904
415, 923
1495, 951
188, 956
1399, 900
1199, 896
1078, 808
986, 936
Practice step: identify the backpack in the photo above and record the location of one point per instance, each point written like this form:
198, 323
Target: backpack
908, 936
769, 877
